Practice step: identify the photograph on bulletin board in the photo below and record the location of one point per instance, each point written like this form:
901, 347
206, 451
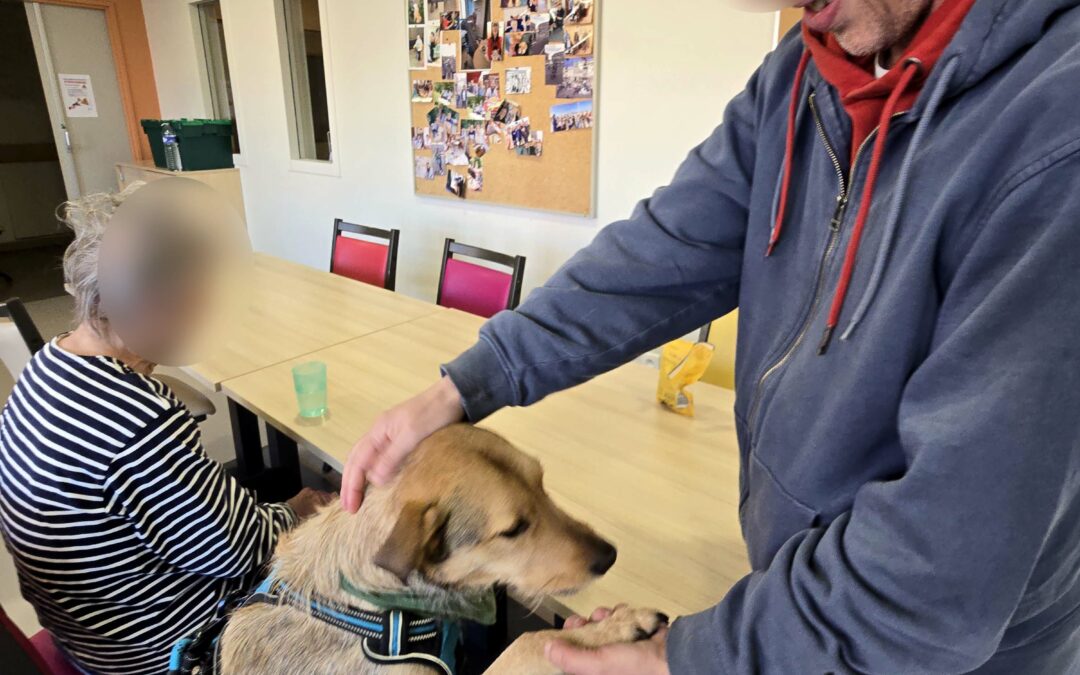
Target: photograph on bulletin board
502, 95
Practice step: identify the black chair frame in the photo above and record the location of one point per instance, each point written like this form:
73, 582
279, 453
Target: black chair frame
392, 237
514, 262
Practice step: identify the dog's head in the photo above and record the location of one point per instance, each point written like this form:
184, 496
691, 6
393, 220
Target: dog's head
473, 512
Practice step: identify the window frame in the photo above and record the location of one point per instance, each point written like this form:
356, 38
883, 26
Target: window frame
210, 99
295, 114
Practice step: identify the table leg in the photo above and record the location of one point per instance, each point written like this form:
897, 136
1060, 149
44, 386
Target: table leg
483, 644
500, 632
285, 458
248, 446
282, 479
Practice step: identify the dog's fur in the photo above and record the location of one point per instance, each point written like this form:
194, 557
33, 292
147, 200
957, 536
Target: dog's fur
467, 511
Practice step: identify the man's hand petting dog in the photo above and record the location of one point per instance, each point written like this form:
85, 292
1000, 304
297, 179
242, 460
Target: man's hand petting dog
647, 656
308, 501
395, 434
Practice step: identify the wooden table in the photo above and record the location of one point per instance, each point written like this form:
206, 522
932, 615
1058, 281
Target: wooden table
295, 310
662, 487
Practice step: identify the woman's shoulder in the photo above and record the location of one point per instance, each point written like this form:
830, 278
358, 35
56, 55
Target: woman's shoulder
99, 386
71, 417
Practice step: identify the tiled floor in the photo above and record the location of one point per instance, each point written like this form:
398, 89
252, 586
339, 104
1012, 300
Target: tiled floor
34, 273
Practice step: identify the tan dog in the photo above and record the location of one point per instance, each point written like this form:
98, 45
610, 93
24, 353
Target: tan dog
467, 511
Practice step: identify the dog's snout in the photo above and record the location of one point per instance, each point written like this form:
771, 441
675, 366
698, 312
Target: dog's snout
603, 557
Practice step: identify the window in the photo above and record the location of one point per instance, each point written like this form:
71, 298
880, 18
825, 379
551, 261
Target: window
306, 85
217, 64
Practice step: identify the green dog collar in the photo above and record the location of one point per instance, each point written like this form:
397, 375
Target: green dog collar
478, 606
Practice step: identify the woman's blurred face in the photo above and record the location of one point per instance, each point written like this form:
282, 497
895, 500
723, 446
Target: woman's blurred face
169, 270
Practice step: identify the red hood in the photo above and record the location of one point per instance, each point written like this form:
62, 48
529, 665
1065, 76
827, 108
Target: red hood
871, 103
862, 94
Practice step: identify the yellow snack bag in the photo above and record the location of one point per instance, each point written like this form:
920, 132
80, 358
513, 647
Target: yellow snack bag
682, 363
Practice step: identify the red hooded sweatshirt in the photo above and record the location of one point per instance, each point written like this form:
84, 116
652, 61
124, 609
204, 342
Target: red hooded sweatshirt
871, 103
861, 92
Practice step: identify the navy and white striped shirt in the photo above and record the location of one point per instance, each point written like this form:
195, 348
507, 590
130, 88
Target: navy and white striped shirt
125, 534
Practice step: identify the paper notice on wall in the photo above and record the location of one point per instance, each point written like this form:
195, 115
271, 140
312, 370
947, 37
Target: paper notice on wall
77, 93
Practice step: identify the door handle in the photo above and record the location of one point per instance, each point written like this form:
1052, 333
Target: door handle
67, 137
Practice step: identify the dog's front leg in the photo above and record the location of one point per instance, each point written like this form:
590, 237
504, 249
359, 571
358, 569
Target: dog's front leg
526, 655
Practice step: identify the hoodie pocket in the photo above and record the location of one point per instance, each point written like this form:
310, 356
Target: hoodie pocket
770, 515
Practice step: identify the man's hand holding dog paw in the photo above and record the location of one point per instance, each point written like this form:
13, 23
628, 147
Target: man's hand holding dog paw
646, 656
395, 434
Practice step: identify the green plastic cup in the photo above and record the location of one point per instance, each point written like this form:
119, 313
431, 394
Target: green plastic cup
310, 382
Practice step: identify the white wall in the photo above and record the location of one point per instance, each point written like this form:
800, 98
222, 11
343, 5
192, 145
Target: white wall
666, 72
174, 49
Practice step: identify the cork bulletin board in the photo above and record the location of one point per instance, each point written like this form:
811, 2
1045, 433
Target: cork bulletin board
502, 95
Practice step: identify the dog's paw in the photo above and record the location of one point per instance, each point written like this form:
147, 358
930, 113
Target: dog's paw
628, 625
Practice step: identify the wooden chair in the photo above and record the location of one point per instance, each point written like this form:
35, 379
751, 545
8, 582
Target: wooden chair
721, 333
20, 340
371, 262
475, 288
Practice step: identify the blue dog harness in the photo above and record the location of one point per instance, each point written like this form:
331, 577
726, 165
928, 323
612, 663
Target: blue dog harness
390, 637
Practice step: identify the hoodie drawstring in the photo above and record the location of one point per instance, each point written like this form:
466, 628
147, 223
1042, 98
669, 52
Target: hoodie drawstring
911, 70
789, 151
892, 221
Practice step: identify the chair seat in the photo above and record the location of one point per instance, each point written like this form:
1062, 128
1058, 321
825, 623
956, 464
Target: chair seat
196, 402
53, 657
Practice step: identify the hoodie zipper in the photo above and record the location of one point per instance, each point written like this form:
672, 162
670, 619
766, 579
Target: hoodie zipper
835, 226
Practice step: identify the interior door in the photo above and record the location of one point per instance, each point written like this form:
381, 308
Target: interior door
79, 73
31, 184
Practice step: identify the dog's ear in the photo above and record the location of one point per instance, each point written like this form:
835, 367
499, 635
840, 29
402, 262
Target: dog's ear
418, 539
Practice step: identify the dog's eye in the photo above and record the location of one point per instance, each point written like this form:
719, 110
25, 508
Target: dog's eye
517, 530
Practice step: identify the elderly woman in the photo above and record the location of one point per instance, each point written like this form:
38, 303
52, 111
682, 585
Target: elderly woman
125, 534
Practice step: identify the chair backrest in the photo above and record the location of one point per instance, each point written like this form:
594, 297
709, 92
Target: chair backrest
475, 288
372, 262
722, 333
19, 337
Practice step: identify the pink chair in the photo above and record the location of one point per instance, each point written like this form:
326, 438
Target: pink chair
38, 654
475, 288
371, 262
55, 660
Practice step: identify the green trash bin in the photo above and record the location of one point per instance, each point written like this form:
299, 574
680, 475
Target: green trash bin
204, 144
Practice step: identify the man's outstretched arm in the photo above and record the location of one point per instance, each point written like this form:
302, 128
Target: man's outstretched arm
670, 268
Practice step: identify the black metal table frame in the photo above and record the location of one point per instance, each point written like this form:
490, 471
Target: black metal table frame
276, 482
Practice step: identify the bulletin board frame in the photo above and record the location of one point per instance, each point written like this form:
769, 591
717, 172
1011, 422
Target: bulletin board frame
548, 163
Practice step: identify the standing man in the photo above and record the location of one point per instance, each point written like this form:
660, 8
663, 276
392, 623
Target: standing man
894, 203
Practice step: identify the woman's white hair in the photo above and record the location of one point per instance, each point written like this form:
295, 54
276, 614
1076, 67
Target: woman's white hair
88, 217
